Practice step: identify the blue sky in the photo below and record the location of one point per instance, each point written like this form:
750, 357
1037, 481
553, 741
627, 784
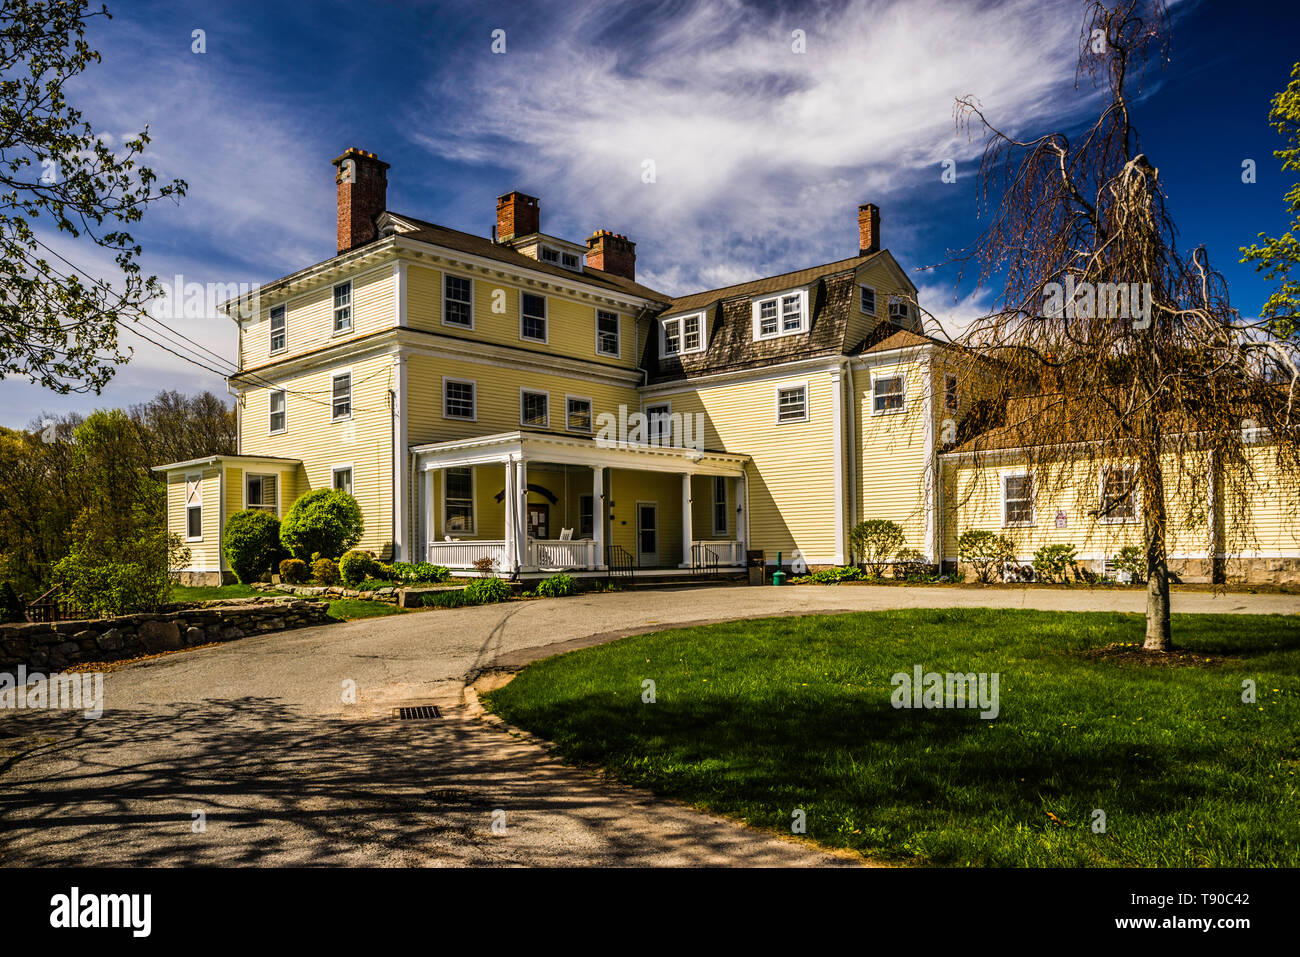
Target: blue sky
761, 154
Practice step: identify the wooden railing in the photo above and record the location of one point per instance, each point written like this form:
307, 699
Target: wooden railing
50, 607
555, 555
728, 552
463, 554
704, 561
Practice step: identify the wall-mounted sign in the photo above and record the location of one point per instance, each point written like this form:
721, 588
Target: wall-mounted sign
1062, 520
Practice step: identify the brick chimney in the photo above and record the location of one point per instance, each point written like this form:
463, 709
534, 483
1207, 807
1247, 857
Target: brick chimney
362, 181
613, 253
518, 214
868, 228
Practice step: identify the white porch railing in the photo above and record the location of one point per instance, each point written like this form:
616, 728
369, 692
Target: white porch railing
728, 552
548, 555
464, 554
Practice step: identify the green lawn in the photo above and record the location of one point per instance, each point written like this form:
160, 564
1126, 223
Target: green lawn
342, 609
760, 718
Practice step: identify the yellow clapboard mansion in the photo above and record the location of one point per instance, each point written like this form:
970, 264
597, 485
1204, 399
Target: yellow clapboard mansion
522, 397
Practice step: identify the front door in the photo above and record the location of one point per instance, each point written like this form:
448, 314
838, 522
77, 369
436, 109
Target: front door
647, 533
539, 521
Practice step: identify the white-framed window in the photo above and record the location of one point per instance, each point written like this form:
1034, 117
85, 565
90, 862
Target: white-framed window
608, 341
458, 399
277, 403
586, 516
532, 316
659, 419
571, 261
341, 403
549, 255
277, 329
887, 394
867, 300
951, 393
458, 501
1118, 494
1017, 499
343, 306
457, 301
260, 492
781, 315
681, 334
900, 311
720, 510
341, 478
577, 413
534, 408
194, 507
792, 403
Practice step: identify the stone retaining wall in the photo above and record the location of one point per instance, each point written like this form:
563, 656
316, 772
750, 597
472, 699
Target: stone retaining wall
55, 645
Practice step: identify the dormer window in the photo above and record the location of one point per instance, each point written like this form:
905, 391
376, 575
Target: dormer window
550, 255
558, 257
783, 315
682, 334
569, 261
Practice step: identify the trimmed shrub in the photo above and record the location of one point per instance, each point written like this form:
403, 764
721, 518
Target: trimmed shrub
833, 576
251, 543
326, 521
356, 566
557, 586
1132, 559
485, 591
1054, 561
419, 573
325, 571
293, 571
985, 551
875, 542
443, 599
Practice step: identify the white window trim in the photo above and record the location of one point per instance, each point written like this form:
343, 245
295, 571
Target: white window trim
649, 423
459, 418
345, 467
352, 395
875, 376
875, 300
197, 478
457, 325
546, 317
681, 334
263, 475
726, 499
1033, 497
618, 324
1136, 492
270, 326
591, 427
473, 498
804, 321
526, 389
776, 399
271, 411
352, 309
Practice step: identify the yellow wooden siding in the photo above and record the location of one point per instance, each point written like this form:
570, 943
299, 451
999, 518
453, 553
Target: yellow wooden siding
570, 323
881, 278
205, 555
1273, 521
309, 318
791, 481
891, 452
364, 441
626, 489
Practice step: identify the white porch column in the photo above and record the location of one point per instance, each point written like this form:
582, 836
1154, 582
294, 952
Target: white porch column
521, 511
598, 513
511, 519
686, 520
742, 529
837, 447
430, 506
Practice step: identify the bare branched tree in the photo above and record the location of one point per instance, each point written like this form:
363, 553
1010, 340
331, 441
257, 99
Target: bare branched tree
1109, 353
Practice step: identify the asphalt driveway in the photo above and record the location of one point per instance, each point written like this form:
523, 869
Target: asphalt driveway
248, 753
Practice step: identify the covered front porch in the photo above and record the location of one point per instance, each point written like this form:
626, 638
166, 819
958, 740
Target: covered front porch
531, 504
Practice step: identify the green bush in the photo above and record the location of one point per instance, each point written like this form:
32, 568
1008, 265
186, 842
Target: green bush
833, 576
484, 591
443, 599
356, 566
325, 571
374, 584
251, 543
986, 551
557, 586
104, 587
326, 521
875, 542
1054, 561
419, 573
293, 571
11, 606
910, 564
1132, 559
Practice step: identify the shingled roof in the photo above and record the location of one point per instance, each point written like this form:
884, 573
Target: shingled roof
757, 287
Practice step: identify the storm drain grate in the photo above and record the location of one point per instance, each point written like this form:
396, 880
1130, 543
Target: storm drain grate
419, 713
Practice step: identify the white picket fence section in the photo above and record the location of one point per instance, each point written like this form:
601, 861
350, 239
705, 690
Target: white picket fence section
464, 554
554, 555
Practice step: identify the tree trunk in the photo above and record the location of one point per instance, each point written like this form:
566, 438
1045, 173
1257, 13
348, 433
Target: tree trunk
1154, 521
